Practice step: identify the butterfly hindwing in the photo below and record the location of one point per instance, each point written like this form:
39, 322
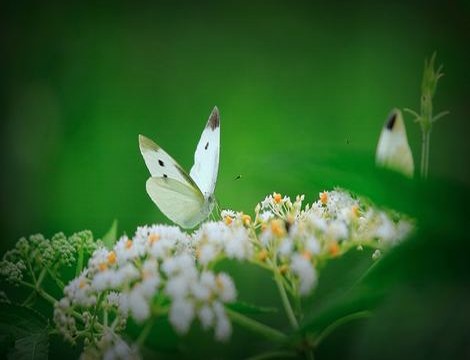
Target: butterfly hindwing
180, 202
206, 158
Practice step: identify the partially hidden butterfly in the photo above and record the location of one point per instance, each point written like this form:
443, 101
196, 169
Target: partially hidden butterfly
185, 199
393, 150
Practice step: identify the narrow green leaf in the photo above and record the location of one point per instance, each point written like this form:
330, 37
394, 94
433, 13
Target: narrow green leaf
110, 238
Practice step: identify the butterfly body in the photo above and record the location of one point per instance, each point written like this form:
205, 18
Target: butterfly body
185, 199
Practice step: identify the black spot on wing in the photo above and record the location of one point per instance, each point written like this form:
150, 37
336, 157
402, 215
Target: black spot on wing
165, 176
207, 145
214, 119
391, 121
160, 162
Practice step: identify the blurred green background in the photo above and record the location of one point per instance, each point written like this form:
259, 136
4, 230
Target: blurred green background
303, 89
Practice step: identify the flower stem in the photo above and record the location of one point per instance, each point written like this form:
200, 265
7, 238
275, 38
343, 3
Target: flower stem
273, 355
81, 255
145, 332
333, 326
285, 300
426, 118
256, 327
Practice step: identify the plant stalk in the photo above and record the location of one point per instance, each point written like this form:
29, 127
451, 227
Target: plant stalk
285, 300
256, 327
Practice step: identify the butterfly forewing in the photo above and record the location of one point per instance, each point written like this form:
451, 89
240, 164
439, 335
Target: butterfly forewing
180, 202
206, 157
160, 164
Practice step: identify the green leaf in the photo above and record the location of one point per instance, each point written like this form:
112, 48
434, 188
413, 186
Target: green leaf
247, 308
110, 238
34, 346
23, 332
340, 292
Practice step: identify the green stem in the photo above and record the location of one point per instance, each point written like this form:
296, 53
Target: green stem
285, 300
81, 255
428, 141
54, 277
145, 332
333, 326
256, 327
49, 298
41, 292
273, 355
41, 277
423, 154
309, 354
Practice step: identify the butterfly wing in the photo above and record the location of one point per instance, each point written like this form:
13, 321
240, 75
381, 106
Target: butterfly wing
206, 158
160, 164
393, 150
180, 202
171, 188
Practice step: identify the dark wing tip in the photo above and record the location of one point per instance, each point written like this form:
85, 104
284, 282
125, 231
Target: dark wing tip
146, 144
391, 120
214, 119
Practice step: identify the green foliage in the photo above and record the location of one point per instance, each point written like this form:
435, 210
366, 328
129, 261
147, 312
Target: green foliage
24, 333
110, 238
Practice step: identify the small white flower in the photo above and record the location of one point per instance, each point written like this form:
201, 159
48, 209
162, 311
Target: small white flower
229, 213
337, 230
265, 216
312, 244
286, 247
377, 253
305, 272
178, 287
386, 229
223, 327
206, 316
207, 253
138, 305
226, 287
181, 315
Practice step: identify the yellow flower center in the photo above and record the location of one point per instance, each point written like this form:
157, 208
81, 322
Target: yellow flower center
277, 228
334, 248
283, 269
111, 258
102, 266
246, 219
153, 238
307, 255
355, 210
262, 255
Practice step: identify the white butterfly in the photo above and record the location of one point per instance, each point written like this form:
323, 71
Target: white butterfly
393, 150
185, 199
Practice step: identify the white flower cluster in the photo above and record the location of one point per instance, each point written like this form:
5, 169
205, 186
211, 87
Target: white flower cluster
294, 238
164, 271
200, 294
219, 238
137, 276
110, 347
